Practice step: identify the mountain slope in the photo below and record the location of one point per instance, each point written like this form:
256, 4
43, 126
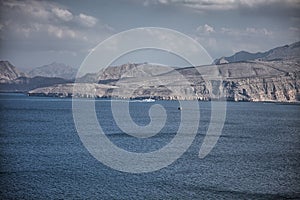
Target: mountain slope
25, 84
284, 53
12, 80
270, 76
112, 74
244, 81
54, 69
280, 53
8, 72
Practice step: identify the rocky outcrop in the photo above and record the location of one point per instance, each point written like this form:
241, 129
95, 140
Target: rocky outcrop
262, 81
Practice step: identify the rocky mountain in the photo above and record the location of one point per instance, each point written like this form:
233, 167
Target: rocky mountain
262, 81
269, 76
244, 81
131, 70
8, 72
13, 80
54, 69
114, 73
280, 53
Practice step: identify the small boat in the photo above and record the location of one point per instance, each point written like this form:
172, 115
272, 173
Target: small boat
148, 100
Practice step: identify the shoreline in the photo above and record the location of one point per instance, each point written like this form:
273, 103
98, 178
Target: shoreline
142, 98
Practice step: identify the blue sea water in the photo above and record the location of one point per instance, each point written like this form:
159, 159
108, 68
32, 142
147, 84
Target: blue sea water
42, 156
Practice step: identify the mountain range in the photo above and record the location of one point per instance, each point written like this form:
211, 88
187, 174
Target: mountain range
13, 80
280, 53
269, 76
58, 70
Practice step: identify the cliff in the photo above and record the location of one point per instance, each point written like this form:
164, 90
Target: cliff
242, 81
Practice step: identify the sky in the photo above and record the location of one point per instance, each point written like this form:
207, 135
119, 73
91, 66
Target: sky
35, 33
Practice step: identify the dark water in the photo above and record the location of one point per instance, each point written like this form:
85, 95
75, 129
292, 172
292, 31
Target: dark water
42, 157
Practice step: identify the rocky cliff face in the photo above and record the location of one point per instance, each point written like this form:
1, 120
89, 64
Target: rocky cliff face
269, 76
244, 81
262, 81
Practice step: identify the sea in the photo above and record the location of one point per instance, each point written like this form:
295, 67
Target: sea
257, 155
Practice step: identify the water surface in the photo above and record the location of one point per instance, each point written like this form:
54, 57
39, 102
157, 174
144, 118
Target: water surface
256, 157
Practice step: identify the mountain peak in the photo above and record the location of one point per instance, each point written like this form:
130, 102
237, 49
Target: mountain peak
8, 72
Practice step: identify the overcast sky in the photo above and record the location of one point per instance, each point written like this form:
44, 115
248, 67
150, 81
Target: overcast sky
34, 33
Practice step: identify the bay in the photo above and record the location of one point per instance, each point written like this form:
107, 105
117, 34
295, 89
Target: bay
42, 156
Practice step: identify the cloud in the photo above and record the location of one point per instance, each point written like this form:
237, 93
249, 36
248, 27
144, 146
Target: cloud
61, 32
47, 27
87, 20
213, 38
262, 31
208, 5
163, 1
206, 29
35, 18
63, 14
224, 41
295, 32
32, 9
294, 29
249, 31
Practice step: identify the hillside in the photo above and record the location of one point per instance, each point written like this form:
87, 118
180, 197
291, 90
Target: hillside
8, 72
269, 76
130, 70
245, 81
279, 53
13, 80
54, 69
25, 84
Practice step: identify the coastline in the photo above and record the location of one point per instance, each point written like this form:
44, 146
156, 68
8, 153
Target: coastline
143, 98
